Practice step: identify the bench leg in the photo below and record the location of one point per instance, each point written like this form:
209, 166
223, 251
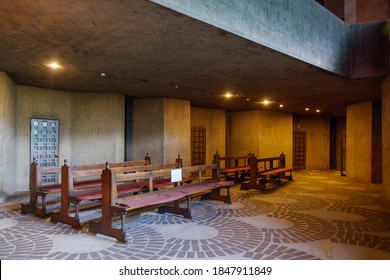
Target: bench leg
106, 228
176, 209
215, 194
41, 211
63, 217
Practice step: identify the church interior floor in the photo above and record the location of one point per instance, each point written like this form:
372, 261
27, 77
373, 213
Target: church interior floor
319, 215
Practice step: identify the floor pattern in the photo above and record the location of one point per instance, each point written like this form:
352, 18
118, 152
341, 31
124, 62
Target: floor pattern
319, 215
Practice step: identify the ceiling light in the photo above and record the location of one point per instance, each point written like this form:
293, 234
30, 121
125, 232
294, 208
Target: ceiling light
53, 65
281, 105
103, 74
266, 102
176, 86
307, 109
248, 99
318, 111
228, 95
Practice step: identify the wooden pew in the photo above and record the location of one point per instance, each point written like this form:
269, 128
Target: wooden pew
267, 170
165, 199
91, 198
239, 166
38, 192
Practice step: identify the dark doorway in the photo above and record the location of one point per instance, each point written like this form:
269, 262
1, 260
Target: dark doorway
299, 153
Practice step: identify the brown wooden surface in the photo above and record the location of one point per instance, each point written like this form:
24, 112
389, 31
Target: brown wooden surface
152, 199
267, 170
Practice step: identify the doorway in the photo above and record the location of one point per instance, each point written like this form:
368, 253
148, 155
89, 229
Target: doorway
198, 146
299, 150
44, 146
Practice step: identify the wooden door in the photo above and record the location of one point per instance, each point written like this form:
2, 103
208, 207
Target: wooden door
198, 146
299, 153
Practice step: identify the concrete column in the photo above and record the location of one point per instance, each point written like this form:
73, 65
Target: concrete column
161, 127
386, 139
359, 141
7, 136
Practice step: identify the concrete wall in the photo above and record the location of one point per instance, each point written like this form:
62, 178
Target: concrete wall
215, 123
359, 141
177, 130
91, 126
359, 11
386, 139
97, 127
148, 129
317, 140
161, 127
266, 133
302, 29
7, 136
243, 133
336, 7
35, 102
367, 51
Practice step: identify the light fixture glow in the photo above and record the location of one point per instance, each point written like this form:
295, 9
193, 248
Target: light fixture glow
53, 65
318, 111
266, 102
281, 106
307, 109
103, 74
228, 95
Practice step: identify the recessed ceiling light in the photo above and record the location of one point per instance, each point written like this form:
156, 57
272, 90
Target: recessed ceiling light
266, 102
307, 109
281, 105
176, 86
248, 99
228, 95
54, 65
103, 74
318, 111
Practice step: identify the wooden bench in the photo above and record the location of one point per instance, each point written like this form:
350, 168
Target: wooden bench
38, 191
265, 171
91, 198
239, 166
165, 199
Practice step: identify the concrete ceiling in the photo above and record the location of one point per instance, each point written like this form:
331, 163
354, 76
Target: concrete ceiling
146, 50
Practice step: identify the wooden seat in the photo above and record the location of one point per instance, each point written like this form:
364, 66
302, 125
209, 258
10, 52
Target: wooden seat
72, 197
237, 165
265, 171
161, 199
38, 191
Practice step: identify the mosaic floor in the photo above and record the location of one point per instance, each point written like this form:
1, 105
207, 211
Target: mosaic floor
320, 215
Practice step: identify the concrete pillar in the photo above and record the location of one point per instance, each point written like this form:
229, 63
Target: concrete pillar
363, 142
386, 139
7, 136
161, 127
